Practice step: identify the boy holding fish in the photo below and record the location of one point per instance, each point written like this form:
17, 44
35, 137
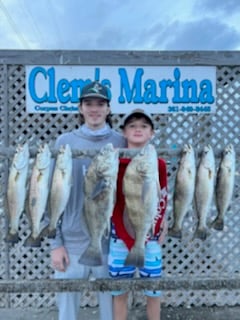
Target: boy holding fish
138, 224
72, 235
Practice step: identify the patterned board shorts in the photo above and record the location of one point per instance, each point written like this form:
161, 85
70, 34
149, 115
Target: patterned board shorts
152, 266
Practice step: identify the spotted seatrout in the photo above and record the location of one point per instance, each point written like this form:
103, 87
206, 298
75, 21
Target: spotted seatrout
224, 185
17, 189
100, 193
38, 194
204, 190
60, 188
142, 193
183, 190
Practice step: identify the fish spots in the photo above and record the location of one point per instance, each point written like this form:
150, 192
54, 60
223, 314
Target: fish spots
33, 202
39, 177
210, 174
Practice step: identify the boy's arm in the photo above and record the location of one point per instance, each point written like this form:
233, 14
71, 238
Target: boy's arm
163, 230
163, 202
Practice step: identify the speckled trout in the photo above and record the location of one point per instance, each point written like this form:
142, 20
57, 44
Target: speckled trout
142, 193
224, 185
204, 190
60, 188
17, 189
38, 194
100, 193
183, 189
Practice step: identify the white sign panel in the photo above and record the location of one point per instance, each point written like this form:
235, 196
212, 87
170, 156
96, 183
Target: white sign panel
56, 89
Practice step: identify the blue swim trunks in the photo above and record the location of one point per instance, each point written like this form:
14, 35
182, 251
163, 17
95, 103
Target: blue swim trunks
152, 266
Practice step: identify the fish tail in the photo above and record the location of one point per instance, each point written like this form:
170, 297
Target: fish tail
12, 238
44, 232
51, 233
218, 224
33, 242
175, 232
91, 257
201, 233
135, 258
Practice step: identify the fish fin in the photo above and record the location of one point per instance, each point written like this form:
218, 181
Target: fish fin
32, 242
91, 257
99, 188
12, 238
27, 210
135, 257
107, 230
218, 224
52, 229
44, 232
159, 191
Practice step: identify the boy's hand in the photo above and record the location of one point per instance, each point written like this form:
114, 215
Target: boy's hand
163, 231
59, 259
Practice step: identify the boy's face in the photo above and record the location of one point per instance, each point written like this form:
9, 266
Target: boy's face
94, 111
138, 132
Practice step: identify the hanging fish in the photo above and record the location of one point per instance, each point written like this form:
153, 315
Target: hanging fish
38, 194
60, 188
142, 193
100, 193
183, 190
204, 190
224, 185
17, 190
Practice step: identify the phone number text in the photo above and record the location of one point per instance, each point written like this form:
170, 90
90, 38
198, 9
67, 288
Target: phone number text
189, 109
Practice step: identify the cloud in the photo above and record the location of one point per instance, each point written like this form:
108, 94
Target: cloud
121, 25
205, 34
226, 7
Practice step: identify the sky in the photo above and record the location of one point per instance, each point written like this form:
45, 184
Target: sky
120, 25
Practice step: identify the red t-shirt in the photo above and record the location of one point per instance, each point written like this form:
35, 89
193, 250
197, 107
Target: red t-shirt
117, 217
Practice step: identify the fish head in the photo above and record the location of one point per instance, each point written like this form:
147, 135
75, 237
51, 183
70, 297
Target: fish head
146, 160
228, 155
187, 148
106, 161
188, 154
43, 157
208, 156
207, 149
21, 157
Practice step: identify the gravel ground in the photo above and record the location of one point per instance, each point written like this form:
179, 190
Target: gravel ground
180, 313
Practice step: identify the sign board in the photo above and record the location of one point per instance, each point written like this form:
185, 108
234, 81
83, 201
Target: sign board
159, 90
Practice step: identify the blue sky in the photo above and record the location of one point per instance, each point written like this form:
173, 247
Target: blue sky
120, 24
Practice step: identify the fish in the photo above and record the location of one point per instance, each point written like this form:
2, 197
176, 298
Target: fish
204, 190
142, 192
224, 185
60, 187
100, 183
17, 190
38, 195
183, 190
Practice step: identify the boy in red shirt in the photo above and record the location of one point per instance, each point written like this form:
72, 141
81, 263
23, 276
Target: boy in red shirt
138, 129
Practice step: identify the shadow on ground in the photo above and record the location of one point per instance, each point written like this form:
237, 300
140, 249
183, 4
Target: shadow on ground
168, 313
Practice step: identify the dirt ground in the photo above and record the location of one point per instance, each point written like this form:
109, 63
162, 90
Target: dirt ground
180, 313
